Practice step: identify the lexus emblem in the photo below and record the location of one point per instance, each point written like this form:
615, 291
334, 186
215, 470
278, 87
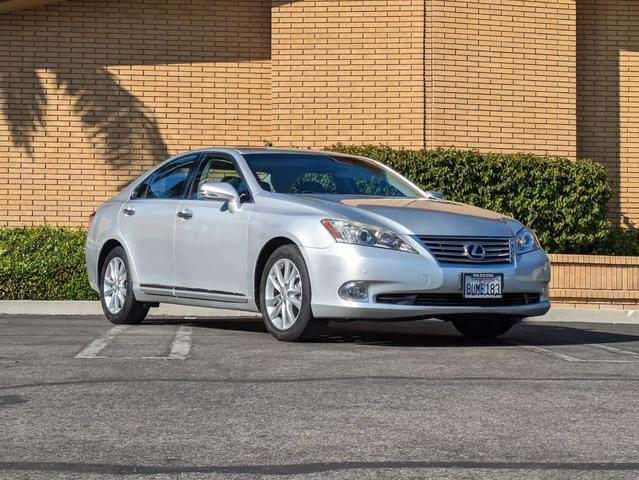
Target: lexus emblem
475, 251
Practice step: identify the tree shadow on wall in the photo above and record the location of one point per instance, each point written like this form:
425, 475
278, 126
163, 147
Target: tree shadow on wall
119, 119
86, 41
24, 103
111, 113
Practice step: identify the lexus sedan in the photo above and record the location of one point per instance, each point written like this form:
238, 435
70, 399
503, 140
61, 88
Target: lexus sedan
306, 237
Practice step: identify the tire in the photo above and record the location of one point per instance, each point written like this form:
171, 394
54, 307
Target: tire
275, 308
126, 310
478, 327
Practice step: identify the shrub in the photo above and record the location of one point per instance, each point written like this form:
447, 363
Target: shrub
43, 263
563, 201
620, 241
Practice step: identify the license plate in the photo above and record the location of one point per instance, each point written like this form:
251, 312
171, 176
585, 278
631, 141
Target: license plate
483, 285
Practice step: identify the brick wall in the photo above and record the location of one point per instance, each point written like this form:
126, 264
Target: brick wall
348, 70
608, 96
598, 282
93, 93
502, 75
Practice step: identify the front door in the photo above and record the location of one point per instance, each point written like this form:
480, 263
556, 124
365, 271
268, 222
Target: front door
211, 242
147, 222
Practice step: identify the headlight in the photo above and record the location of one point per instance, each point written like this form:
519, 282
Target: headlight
526, 241
344, 231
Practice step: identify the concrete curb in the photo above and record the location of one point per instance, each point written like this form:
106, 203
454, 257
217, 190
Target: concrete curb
77, 308
587, 315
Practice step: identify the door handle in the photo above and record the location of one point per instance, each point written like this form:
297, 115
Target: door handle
185, 214
128, 211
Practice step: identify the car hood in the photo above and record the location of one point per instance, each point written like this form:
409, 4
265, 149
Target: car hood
414, 216
431, 217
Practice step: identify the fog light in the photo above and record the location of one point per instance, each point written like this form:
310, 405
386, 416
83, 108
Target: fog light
354, 291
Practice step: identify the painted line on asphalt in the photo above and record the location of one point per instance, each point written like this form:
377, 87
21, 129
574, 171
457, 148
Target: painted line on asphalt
181, 346
617, 350
545, 351
569, 358
99, 344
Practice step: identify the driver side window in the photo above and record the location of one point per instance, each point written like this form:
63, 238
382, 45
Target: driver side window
219, 169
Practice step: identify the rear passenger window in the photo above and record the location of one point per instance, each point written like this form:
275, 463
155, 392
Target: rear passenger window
171, 180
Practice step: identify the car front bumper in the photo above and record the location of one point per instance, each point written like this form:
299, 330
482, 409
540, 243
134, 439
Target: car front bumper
393, 272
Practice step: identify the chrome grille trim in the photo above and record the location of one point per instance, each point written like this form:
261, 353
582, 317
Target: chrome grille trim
446, 249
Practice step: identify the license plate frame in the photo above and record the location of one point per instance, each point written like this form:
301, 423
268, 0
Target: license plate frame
477, 285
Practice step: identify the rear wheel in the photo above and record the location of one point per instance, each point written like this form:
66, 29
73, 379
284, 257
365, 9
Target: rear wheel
285, 297
478, 327
116, 293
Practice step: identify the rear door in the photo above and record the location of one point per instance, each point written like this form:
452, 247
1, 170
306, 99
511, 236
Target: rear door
211, 242
147, 222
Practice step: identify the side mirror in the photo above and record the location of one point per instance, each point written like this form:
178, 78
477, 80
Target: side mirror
437, 195
222, 192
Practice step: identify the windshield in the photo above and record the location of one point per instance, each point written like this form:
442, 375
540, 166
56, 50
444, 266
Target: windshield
308, 173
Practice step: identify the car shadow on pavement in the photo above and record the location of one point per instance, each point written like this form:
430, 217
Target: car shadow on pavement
429, 333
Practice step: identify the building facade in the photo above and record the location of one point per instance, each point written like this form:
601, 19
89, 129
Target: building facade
92, 93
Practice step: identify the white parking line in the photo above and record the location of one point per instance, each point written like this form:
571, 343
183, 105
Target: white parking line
545, 351
617, 350
570, 358
181, 346
99, 344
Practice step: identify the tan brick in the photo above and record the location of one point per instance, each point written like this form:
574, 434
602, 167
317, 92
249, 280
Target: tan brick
372, 51
125, 86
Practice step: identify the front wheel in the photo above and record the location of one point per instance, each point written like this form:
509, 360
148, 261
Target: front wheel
285, 297
116, 293
479, 327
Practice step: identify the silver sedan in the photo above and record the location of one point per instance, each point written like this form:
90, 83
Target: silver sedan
306, 237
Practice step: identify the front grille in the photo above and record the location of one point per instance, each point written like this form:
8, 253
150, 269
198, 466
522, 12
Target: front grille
496, 250
456, 299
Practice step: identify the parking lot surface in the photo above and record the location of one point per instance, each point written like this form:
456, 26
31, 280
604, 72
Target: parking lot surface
220, 398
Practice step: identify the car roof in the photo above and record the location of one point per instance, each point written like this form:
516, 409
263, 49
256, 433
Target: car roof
251, 150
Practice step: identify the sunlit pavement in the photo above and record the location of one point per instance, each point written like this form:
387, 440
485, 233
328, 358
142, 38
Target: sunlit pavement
220, 398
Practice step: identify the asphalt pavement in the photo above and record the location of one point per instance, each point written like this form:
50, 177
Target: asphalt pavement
219, 398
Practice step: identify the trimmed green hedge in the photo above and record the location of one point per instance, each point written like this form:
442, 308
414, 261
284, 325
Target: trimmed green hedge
43, 263
620, 241
563, 201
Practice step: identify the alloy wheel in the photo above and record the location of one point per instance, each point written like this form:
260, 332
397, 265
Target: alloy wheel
115, 285
283, 294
